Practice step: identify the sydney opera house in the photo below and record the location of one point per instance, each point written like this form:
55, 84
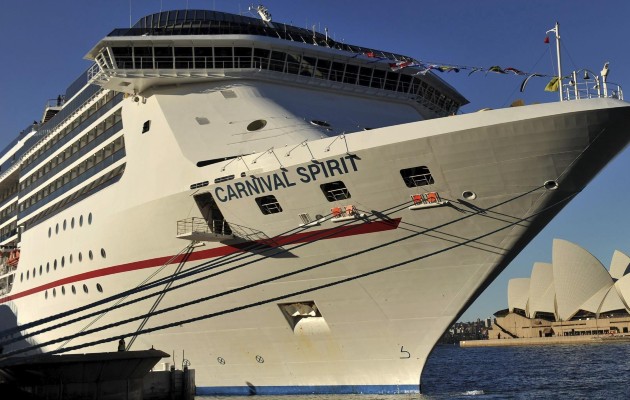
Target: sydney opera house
574, 295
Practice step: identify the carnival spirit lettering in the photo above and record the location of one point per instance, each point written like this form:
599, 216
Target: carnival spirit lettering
280, 180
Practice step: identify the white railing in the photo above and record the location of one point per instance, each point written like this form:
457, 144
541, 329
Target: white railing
587, 88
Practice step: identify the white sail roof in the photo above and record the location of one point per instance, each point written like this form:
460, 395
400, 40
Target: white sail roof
542, 293
578, 276
518, 293
612, 302
620, 265
623, 288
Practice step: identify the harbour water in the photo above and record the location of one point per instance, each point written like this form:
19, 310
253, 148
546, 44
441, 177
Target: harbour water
586, 371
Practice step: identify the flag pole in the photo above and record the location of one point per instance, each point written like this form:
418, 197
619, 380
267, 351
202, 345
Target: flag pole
557, 30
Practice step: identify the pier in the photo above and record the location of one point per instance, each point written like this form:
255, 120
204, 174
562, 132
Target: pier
122, 375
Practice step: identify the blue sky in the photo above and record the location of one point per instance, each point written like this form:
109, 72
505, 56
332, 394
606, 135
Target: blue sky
43, 44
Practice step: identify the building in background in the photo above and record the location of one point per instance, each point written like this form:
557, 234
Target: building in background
574, 295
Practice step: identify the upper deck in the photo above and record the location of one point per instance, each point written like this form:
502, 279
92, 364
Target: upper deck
188, 45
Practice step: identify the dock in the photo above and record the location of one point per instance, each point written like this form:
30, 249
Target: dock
122, 375
539, 341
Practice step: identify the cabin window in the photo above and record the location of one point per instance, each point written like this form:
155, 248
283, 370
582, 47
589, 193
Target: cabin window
143, 57
365, 75
378, 79
307, 67
336, 72
146, 126
417, 176
243, 57
123, 56
268, 204
277, 61
323, 69
335, 191
352, 71
223, 57
293, 63
261, 58
203, 58
163, 57
183, 57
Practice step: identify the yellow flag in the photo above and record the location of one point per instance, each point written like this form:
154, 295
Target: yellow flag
553, 85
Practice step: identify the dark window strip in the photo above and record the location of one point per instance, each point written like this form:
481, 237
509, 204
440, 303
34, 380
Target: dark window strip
87, 149
73, 183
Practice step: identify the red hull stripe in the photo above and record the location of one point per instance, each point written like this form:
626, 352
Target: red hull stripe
302, 237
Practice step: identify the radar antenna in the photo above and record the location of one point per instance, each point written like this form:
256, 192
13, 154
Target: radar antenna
264, 14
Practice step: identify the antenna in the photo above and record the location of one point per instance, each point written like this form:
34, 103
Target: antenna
129, 13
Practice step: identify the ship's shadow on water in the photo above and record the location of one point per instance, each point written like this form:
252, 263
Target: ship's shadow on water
8, 321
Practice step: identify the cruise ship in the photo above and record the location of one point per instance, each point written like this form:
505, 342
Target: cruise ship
284, 213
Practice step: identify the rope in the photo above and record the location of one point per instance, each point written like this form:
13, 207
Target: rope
196, 301
285, 296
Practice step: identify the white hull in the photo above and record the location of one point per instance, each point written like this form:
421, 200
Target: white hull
377, 327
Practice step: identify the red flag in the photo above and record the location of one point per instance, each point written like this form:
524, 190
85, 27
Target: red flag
547, 39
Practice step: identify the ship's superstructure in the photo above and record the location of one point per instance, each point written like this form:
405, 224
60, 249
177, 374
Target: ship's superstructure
290, 213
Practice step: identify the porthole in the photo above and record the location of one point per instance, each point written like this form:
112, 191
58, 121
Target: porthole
57, 229
21, 276
90, 255
85, 289
64, 224
46, 294
72, 223
28, 274
99, 287
49, 231
74, 290
256, 125
103, 253
34, 270
41, 269
90, 219
63, 261
47, 267
317, 122
80, 257
81, 220
469, 195
55, 265
70, 258
54, 293
63, 290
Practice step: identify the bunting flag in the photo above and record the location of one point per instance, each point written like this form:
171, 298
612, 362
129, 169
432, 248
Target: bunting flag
553, 85
425, 68
496, 69
446, 68
402, 64
547, 40
474, 69
514, 71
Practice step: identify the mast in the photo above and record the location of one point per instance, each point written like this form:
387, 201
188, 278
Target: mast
556, 30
